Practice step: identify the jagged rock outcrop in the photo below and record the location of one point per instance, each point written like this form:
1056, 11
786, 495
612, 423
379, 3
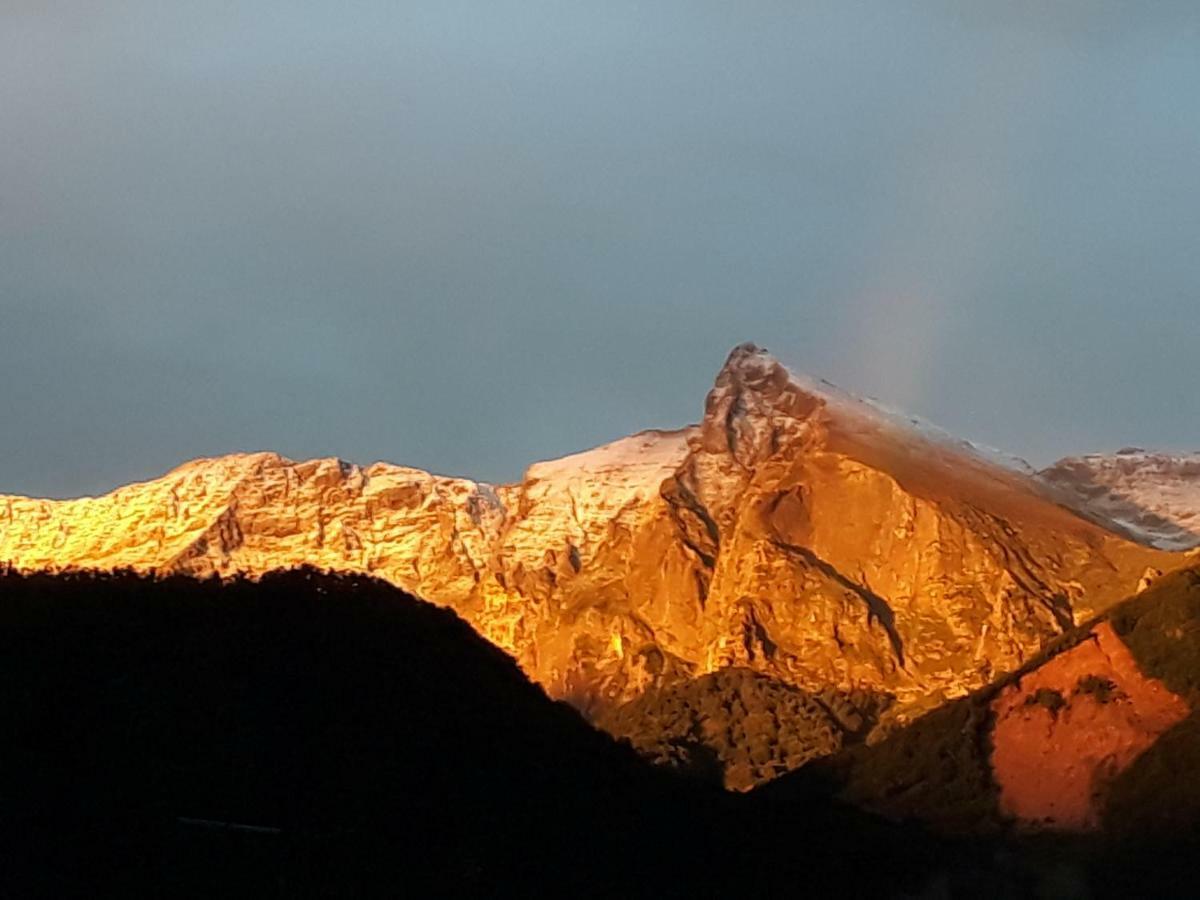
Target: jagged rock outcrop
796, 532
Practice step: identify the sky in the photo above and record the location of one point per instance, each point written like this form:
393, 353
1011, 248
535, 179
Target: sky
465, 236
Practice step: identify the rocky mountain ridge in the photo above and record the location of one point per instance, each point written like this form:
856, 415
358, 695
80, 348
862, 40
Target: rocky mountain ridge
797, 533
1155, 495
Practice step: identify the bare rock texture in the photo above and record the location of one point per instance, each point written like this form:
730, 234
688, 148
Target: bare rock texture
796, 532
1071, 727
1098, 733
1156, 495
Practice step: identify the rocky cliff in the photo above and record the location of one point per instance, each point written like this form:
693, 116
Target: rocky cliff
800, 534
1098, 733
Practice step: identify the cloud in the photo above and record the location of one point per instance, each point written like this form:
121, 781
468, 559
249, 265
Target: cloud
465, 236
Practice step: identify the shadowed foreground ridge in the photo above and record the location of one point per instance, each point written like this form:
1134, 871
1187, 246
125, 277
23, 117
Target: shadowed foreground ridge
1087, 755
376, 744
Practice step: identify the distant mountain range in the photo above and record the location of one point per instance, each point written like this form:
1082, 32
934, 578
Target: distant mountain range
1154, 495
800, 574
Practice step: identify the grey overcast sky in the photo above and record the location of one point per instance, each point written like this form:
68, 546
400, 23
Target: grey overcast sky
468, 235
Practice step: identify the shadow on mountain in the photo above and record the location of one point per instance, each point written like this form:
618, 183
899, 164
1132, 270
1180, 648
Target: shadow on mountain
310, 735
939, 771
739, 727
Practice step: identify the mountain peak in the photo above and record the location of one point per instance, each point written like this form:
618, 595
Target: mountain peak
820, 540
752, 399
754, 385
748, 358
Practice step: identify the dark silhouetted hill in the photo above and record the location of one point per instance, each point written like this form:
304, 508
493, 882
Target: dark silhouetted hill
309, 735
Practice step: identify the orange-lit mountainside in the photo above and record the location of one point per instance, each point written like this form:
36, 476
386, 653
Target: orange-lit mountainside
1099, 733
801, 571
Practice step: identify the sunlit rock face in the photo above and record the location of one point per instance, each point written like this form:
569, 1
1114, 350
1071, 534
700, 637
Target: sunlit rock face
1068, 729
855, 548
797, 533
257, 512
1100, 731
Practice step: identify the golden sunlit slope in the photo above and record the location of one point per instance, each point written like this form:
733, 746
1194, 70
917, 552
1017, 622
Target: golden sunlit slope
1098, 733
798, 533
256, 512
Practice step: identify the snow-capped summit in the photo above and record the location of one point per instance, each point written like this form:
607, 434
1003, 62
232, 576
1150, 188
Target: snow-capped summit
750, 363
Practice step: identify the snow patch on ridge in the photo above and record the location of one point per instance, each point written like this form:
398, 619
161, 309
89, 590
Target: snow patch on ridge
643, 458
571, 504
1152, 499
904, 421
1156, 496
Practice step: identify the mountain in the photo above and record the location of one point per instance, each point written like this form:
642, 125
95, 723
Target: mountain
311, 735
1083, 760
1099, 733
315, 735
1155, 495
860, 563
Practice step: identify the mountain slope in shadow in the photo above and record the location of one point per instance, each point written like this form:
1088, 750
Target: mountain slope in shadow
310, 735
1087, 755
